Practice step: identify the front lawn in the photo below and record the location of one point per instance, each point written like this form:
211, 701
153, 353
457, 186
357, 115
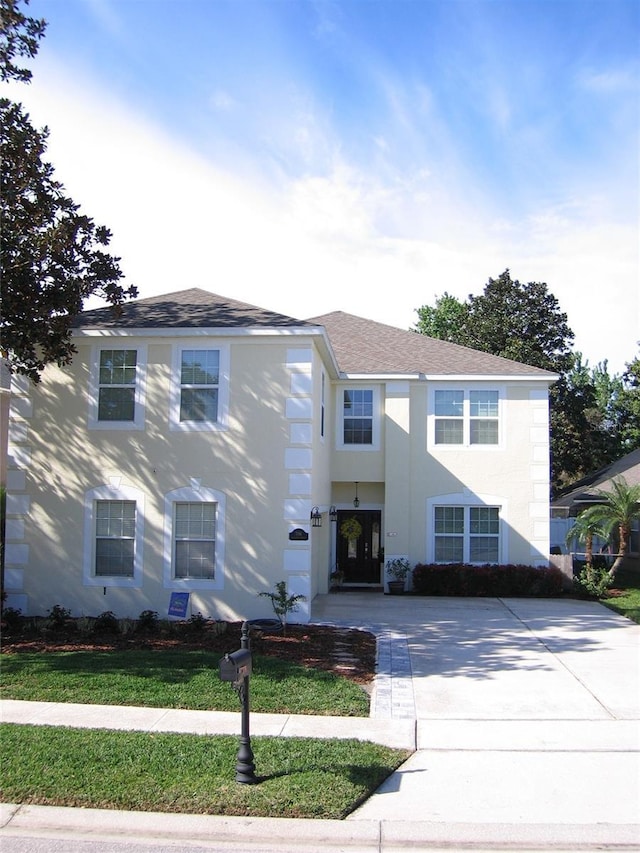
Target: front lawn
175, 678
297, 777
624, 596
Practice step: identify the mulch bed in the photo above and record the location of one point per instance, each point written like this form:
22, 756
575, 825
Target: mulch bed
318, 646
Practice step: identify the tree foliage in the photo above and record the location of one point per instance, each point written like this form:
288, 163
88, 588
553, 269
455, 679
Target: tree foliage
522, 322
53, 256
446, 321
19, 36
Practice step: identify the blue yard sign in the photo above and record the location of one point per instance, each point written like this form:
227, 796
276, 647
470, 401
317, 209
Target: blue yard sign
179, 604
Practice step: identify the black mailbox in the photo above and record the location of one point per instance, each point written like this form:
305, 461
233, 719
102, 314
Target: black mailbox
235, 666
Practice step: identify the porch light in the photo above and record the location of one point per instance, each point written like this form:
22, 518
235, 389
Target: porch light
356, 500
333, 513
316, 517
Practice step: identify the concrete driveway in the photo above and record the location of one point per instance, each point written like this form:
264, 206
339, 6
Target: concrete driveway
527, 712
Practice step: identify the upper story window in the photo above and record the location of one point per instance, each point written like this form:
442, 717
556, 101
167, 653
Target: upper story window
466, 417
199, 381
117, 392
357, 422
358, 418
199, 388
117, 385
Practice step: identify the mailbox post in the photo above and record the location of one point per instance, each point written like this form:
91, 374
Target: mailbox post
236, 668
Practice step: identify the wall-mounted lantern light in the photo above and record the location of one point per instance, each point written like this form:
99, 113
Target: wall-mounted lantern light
316, 517
356, 500
333, 513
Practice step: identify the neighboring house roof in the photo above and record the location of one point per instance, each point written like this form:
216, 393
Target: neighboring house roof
360, 346
192, 308
585, 490
364, 346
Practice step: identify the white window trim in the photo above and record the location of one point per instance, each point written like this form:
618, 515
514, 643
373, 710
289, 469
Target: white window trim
466, 418
111, 493
175, 423
140, 388
193, 494
468, 499
376, 419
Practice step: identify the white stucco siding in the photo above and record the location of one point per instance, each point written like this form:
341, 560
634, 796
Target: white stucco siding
515, 473
62, 459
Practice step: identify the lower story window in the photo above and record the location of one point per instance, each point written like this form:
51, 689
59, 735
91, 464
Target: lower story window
194, 540
467, 534
115, 538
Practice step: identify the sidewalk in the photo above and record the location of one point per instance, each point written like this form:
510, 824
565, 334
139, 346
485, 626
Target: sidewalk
525, 715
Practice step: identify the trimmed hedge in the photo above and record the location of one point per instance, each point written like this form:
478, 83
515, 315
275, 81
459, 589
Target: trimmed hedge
487, 580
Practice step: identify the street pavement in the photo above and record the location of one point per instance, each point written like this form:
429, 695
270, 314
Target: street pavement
524, 715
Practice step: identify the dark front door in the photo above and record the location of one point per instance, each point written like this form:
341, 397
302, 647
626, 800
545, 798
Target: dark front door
359, 557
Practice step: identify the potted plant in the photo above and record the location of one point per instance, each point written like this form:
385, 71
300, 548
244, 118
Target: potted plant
336, 577
397, 569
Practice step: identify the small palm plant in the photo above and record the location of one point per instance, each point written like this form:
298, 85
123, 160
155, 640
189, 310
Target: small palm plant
616, 512
282, 603
585, 530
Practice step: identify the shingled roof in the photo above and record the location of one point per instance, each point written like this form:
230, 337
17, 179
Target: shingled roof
365, 346
360, 346
586, 490
192, 308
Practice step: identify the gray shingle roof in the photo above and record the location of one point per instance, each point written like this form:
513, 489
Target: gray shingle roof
585, 489
193, 308
360, 346
365, 346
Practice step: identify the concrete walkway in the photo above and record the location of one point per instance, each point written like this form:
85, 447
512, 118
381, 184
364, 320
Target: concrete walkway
525, 716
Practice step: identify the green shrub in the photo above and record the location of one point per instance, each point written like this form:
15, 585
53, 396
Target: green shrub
592, 582
196, 623
106, 623
149, 622
486, 580
12, 620
58, 617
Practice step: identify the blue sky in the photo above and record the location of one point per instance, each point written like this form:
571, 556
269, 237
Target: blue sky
364, 156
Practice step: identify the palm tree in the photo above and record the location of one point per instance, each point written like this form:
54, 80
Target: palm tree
584, 530
616, 512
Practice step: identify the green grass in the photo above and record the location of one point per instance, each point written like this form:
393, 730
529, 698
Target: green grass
297, 777
628, 603
175, 679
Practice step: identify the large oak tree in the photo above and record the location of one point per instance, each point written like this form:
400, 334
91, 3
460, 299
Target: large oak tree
53, 256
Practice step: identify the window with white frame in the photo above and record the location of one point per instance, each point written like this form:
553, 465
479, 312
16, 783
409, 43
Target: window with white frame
117, 388
117, 384
199, 383
194, 540
113, 536
199, 388
466, 417
466, 534
357, 416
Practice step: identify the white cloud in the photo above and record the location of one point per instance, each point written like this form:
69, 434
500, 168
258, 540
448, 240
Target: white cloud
341, 239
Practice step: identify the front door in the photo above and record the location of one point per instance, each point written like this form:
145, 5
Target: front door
359, 556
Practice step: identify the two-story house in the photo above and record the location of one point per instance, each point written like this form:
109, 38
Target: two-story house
202, 445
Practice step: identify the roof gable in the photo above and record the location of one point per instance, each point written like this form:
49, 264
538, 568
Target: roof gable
192, 308
365, 346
